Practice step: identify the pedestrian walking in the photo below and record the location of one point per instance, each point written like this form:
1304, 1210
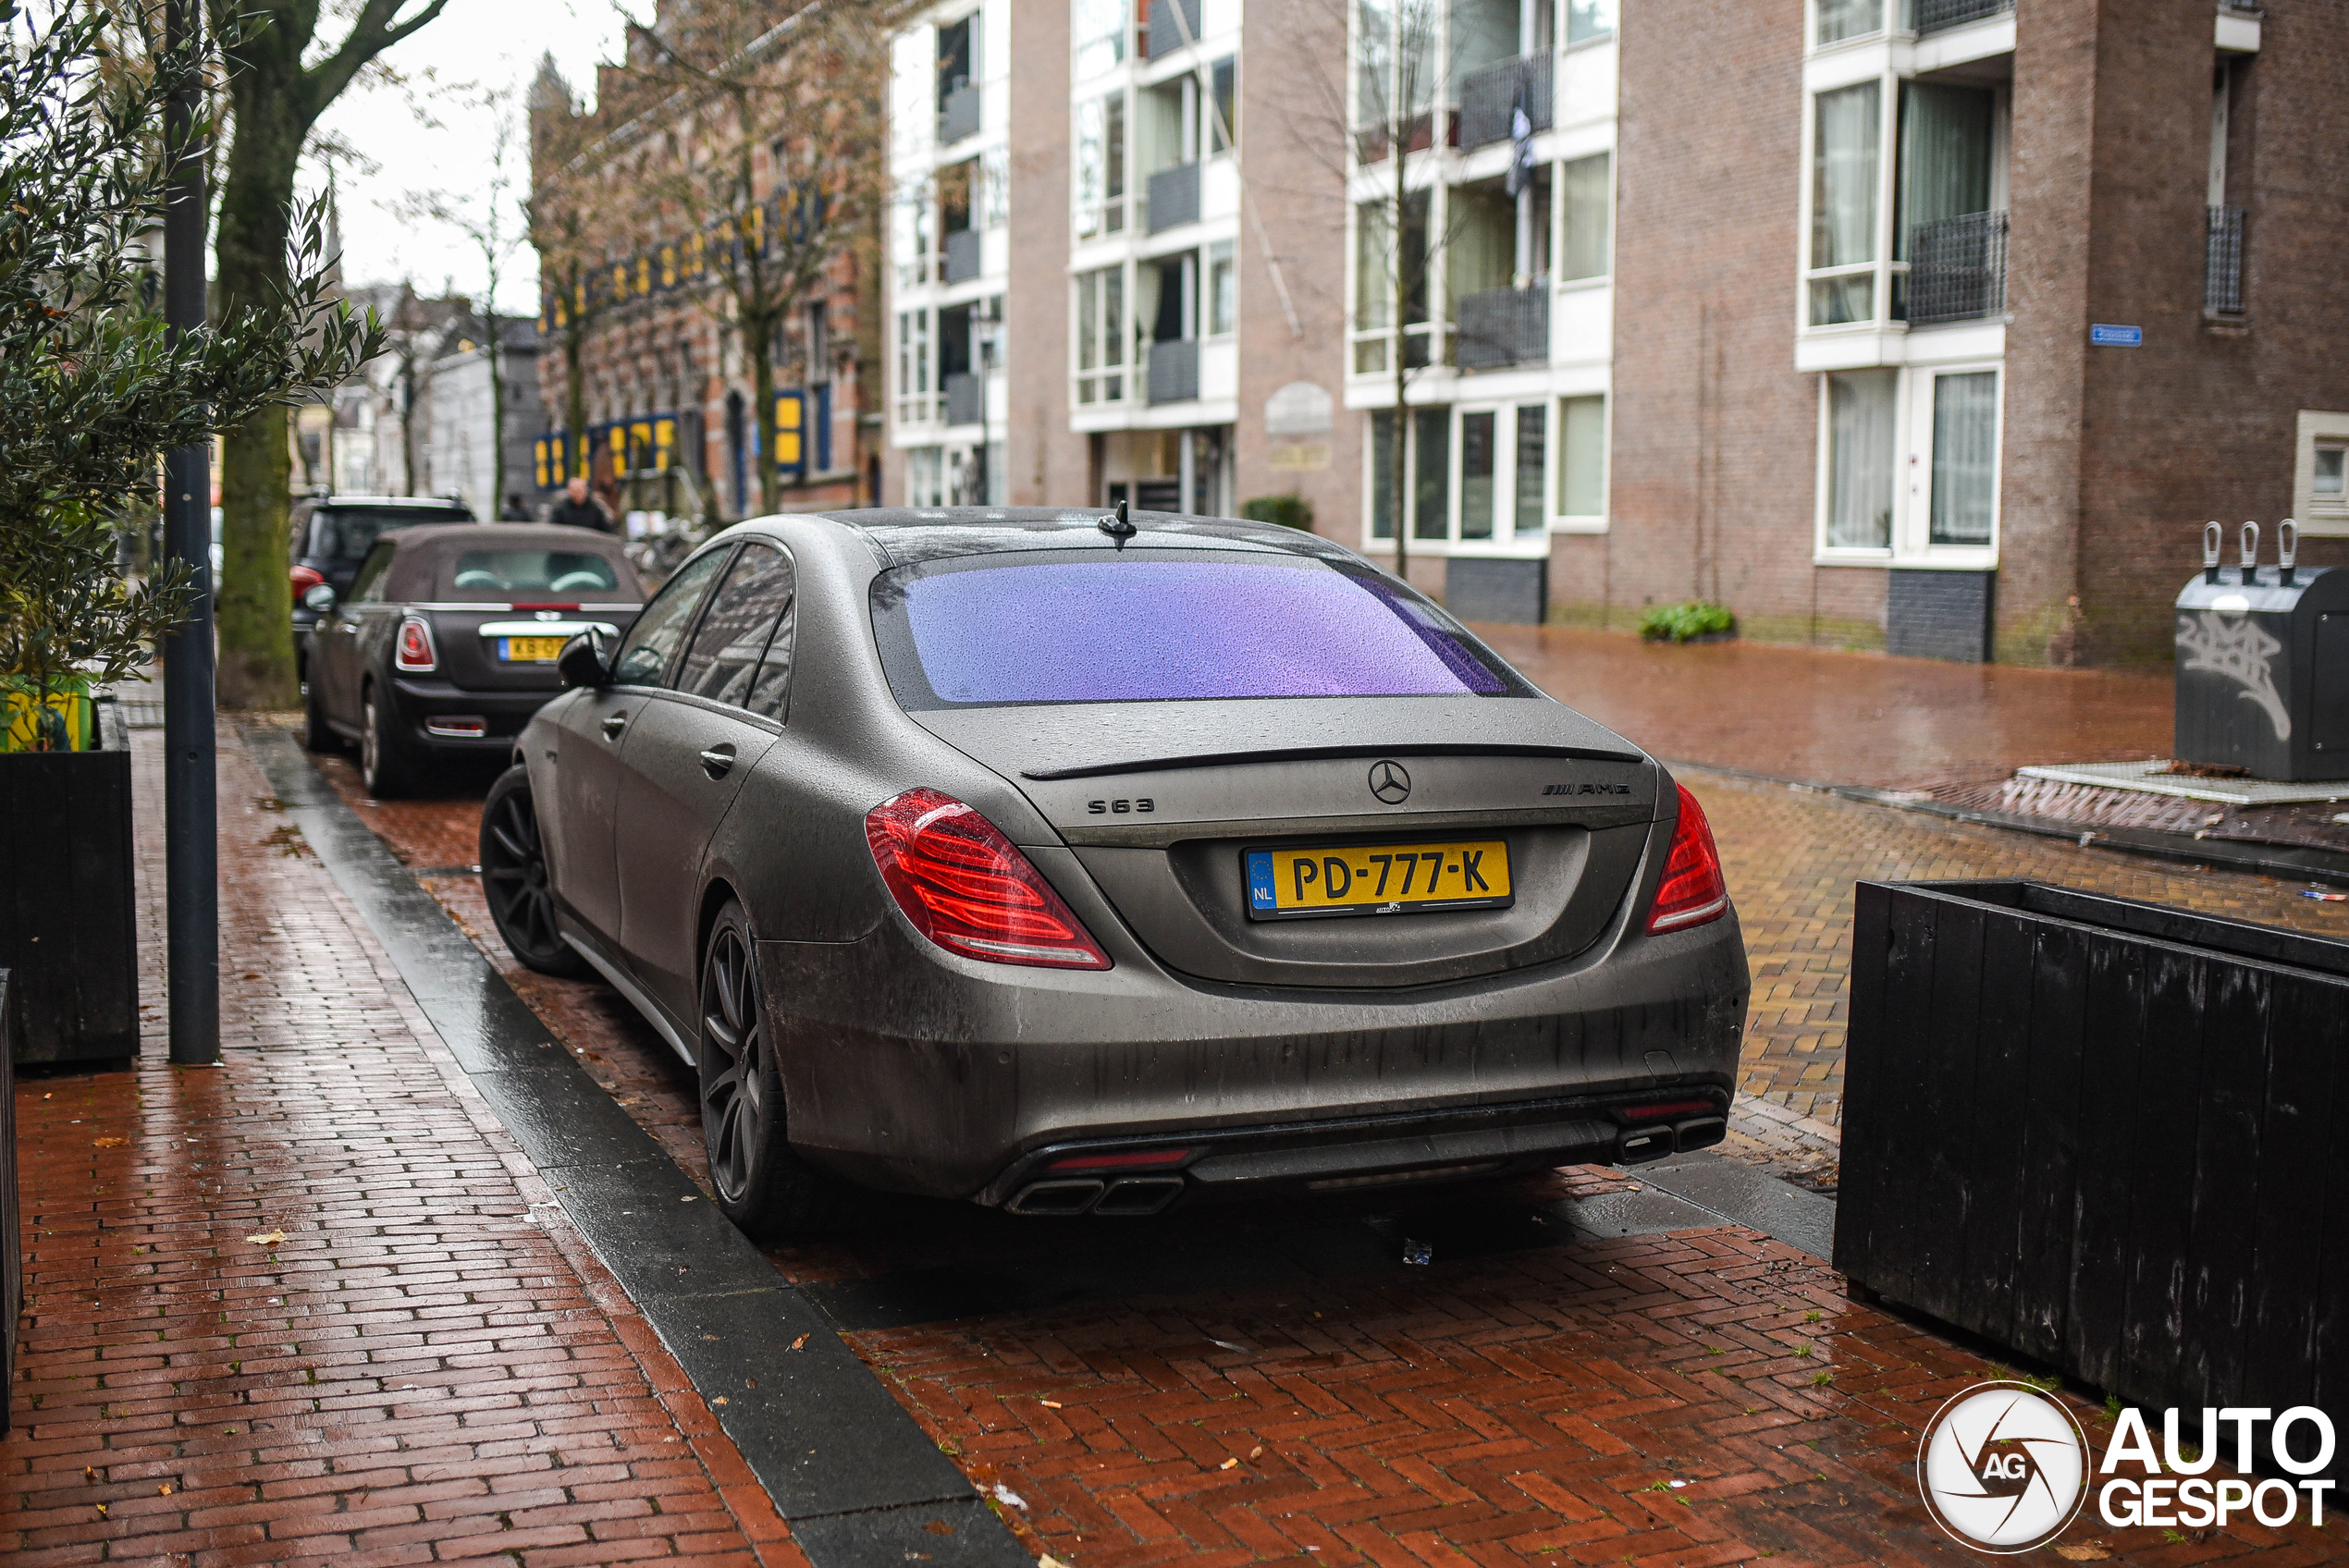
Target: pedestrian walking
580, 509
515, 511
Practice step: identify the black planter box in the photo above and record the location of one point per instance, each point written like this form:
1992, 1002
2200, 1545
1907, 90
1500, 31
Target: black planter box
67, 920
2110, 1137
11, 1205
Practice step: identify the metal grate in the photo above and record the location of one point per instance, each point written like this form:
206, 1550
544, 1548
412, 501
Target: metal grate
1489, 99
1502, 327
962, 255
2223, 263
1166, 34
960, 116
1173, 197
1935, 16
1958, 269
1173, 374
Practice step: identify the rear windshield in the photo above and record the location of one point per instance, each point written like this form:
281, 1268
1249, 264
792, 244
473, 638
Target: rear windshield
347, 536
1138, 629
499, 574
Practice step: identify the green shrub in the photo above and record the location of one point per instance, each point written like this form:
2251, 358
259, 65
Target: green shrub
1289, 512
1679, 623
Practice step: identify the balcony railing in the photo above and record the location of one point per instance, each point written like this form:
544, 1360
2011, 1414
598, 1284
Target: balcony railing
2223, 263
1489, 99
1502, 327
963, 391
1939, 15
959, 117
1958, 269
1166, 34
962, 255
1173, 197
1173, 374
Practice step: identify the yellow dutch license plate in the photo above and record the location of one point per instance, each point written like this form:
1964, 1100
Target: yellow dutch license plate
1376, 879
530, 650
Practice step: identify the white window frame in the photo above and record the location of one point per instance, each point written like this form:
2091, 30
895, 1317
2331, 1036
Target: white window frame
1913, 523
1130, 374
1554, 476
1881, 269
1823, 481
2331, 518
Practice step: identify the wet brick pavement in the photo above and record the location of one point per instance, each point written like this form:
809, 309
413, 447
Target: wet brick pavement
310, 1306
1529, 1396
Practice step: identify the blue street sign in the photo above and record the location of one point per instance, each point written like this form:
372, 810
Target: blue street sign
2105, 336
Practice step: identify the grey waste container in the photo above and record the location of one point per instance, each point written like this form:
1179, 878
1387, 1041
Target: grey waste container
2263, 669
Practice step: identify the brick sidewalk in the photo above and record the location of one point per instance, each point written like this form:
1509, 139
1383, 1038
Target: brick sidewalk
427, 1365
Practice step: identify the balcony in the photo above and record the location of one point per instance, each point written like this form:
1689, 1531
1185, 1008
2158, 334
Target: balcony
1173, 373
1501, 328
1489, 99
1166, 32
959, 117
1939, 16
1173, 197
1958, 269
962, 255
2223, 263
966, 395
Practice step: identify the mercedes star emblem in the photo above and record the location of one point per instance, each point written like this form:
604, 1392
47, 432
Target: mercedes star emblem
1390, 783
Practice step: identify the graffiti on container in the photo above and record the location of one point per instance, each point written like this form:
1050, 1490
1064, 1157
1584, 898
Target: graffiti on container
2241, 650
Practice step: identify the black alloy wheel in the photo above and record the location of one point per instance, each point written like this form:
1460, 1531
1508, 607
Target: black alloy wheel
762, 1184
515, 881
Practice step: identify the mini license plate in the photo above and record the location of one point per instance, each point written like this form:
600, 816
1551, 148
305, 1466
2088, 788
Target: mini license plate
1296, 884
530, 650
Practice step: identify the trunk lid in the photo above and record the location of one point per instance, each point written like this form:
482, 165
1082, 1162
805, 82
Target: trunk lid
1163, 802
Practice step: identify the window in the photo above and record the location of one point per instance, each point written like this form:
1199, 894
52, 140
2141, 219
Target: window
724, 662
1965, 456
1839, 19
1861, 455
1101, 336
1100, 35
1143, 627
1100, 167
1586, 19
915, 392
1223, 289
501, 574
1223, 126
1843, 205
1582, 457
651, 644
2326, 485
1427, 478
366, 588
1588, 205
1374, 280
1532, 440
925, 477
911, 224
1477, 460
994, 187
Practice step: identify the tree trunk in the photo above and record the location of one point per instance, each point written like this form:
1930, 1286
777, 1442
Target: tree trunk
497, 425
574, 394
762, 415
253, 600
1400, 488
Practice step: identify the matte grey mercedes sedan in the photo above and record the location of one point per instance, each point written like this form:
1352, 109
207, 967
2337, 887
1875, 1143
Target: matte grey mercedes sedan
1076, 864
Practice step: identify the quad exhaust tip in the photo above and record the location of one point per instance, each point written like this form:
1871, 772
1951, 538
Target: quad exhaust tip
1128, 1197
1641, 1145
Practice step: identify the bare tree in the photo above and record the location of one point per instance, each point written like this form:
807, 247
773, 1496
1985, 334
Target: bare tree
770, 169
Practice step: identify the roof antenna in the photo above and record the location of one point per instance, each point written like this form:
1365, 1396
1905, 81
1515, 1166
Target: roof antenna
1119, 527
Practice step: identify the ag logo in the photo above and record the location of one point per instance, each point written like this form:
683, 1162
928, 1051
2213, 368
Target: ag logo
2003, 1467
1390, 783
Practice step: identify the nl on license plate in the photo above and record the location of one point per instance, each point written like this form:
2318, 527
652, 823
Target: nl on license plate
1377, 879
530, 650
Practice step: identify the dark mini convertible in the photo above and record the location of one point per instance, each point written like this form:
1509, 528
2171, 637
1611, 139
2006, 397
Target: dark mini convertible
1074, 864
446, 644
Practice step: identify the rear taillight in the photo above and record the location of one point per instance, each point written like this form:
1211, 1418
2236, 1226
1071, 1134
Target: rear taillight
413, 651
305, 578
968, 888
1693, 891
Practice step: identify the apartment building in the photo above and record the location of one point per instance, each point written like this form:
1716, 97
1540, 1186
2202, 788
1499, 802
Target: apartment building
1110, 259
1944, 324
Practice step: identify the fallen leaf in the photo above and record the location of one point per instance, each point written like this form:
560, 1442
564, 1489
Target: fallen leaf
109, 1143
164, 1490
939, 1527
267, 1238
1229, 1464
2083, 1551
1049, 1560
89, 1473
720, 1400
101, 1511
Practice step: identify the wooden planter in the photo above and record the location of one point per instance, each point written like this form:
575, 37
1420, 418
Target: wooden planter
2110, 1137
66, 918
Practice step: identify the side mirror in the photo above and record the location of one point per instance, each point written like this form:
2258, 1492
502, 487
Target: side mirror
319, 596
583, 661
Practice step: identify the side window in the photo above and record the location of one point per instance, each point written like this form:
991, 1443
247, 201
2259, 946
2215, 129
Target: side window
723, 662
771, 693
652, 643
366, 588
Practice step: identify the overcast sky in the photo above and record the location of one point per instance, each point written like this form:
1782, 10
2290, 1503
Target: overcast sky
473, 45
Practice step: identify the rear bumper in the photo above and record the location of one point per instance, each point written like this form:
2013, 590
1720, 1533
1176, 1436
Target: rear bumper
420, 702
909, 1070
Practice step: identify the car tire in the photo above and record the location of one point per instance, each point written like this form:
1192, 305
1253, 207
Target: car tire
515, 882
762, 1184
383, 752
318, 735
